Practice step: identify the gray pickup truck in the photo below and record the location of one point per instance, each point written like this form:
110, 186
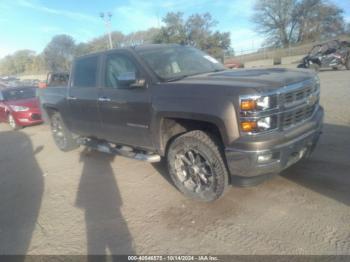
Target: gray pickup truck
213, 126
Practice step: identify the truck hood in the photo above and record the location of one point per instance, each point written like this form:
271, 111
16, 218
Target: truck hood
262, 80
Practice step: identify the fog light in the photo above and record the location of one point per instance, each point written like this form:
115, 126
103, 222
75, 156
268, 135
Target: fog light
248, 126
266, 157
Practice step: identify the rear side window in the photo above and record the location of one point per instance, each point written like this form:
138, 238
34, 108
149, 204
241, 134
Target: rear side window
85, 72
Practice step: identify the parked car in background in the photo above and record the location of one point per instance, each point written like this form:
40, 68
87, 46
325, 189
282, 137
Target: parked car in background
19, 107
334, 54
233, 64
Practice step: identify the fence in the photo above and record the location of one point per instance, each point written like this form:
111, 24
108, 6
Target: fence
275, 54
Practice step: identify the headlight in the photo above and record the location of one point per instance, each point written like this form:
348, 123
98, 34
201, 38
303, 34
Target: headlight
259, 125
19, 108
257, 103
317, 81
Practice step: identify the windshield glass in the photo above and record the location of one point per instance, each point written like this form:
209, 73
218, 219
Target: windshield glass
172, 62
18, 94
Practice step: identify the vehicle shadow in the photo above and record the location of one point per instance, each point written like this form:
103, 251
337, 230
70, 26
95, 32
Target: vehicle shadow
162, 169
99, 196
21, 187
327, 171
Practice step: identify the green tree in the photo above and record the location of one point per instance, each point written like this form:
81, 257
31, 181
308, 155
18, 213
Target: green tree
17, 63
59, 52
195, 31
174, 30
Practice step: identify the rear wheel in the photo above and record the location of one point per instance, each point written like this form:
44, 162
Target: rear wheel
61, 135
12, 122
196, 166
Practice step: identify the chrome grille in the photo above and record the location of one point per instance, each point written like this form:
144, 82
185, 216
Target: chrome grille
297, 116
298, 95
299, 103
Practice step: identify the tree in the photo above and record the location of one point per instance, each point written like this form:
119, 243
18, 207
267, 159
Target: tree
285, 22
195, 31
140, 37
118, 40
173, 31
58, 54
17, 63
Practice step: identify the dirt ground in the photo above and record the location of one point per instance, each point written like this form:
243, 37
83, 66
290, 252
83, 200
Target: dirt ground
79, 202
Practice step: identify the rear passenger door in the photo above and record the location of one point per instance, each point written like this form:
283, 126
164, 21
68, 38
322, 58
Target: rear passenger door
82, 96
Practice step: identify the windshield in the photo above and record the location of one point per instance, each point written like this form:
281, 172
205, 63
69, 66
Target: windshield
18, 94
175, 62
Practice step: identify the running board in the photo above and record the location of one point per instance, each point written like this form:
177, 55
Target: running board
124, 151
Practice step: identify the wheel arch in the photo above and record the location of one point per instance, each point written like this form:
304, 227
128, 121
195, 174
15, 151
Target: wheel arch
171, 127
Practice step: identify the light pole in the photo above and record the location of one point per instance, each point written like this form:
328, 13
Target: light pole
106, 17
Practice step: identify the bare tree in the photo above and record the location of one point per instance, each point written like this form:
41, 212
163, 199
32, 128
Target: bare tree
290, 21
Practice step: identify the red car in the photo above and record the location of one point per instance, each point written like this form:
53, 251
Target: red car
19, 107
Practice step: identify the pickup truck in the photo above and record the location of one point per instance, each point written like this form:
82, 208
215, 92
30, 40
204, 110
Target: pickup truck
213, 126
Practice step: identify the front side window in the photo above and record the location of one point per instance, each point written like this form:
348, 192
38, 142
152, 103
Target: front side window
171, 62
119, 68
85, 72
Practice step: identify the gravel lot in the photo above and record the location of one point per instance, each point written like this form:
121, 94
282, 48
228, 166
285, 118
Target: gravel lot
87, 202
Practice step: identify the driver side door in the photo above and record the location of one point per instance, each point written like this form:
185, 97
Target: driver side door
125, 109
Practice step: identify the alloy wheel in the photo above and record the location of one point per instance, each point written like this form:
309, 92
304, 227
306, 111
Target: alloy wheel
194, 171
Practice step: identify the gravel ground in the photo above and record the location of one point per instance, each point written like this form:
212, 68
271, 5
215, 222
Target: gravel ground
87, 202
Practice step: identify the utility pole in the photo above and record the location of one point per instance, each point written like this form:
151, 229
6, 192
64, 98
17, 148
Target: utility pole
106, 17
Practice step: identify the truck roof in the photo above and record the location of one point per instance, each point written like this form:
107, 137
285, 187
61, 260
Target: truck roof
137, 47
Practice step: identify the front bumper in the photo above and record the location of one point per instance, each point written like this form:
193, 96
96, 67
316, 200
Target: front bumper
242, 158
28, 118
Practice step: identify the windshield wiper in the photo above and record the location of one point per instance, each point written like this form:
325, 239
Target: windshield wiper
177, 78
218, 70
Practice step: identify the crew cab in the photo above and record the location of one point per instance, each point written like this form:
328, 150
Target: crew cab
19, 107
213, 126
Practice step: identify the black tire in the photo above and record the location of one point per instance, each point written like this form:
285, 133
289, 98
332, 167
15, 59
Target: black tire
203, 176
12, 122
62, 136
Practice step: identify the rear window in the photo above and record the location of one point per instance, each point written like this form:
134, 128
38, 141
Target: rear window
85, 72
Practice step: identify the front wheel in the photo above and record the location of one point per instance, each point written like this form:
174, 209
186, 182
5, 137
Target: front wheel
12, 122
196, 166
62, 136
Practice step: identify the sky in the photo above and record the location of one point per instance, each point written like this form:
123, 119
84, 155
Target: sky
30, 24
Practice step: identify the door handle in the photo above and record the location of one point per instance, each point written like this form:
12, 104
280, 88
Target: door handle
71, 98
104, 99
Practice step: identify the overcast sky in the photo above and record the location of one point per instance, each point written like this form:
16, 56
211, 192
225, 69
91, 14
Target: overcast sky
30, 24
